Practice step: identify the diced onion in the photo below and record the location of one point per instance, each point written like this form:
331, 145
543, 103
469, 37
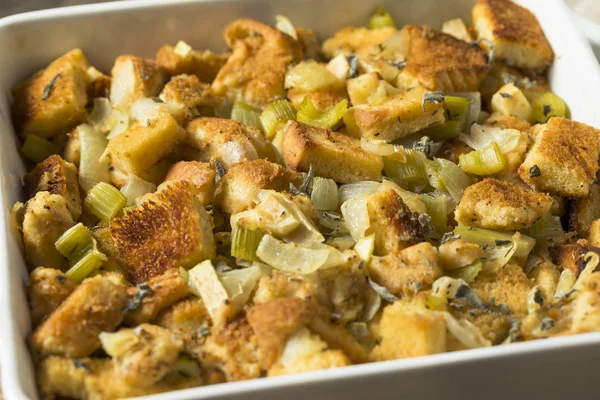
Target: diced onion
486, 237
92, 169
285, 25
364, 247
408, 173
468, 273
239, 284
309, 76
120, 123
136, 187
100, 117
507, 139
356, 215
324, 194
446, 176
497, 257
384, 149
466, 333
565, 284
351, 190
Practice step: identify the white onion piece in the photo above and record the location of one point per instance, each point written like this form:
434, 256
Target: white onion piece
351, 190
466, 333
100, 117
239, 284
93, 168
120, 123
136, 187
356, 215
497, 257
507, 139
233, 152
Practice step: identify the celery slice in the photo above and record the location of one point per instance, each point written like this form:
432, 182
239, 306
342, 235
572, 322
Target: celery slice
486, 161
277, 113
244, 243
37, 149
324, 195
105, 201
89, 263
486, 237
308, 114
546, 227
457, 111
408, 173
246, 114
437, 209
381, 19
446, 176
468, 273
75, 242
547, 106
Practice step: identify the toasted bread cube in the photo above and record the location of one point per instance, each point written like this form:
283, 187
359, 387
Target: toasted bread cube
566, 154
570, 255
145, 143
46, 219
202, 175
509, 286
333, 155
170, 229
437, 61
243, 181
398, 116
507, 122
72, 150
194, 96
53, 100
357, 40
510, 100
255, 71
408, 330
586, 311
407, 271
143, 355
362, 87
182, 59
72, 330
56, 176
167, 288
457, 28
499, 205
394, 225
185, 317
338, 337
584, 211
134, 78
311, 47
458, 253
98, 83
47, 289
593, 235
515, 33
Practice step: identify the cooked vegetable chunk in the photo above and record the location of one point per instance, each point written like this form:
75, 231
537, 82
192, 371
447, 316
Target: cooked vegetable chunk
182, 59
193, 95
509, 100
47, 289
134, 78
509, 286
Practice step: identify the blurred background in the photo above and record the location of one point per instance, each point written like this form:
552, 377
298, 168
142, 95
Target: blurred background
8, 7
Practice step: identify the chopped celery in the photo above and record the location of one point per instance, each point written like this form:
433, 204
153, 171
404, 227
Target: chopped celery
468, 273
546, 227
437, 209
547, 106
136, 187
244, 243
381, 19
308, 114
457, 110
91, 261
105, 201
486, 161
446, 176
277, 113
324, 195
285, 25
246, 114
408, 173
75, 242
486, 237
37, 149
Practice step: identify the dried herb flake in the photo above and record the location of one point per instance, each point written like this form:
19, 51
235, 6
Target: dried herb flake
534, 171
142, 290
49, 86
432, 97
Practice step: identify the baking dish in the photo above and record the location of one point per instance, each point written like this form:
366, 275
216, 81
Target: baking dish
551, 368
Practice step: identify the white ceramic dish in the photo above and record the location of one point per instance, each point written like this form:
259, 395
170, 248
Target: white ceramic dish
557, 368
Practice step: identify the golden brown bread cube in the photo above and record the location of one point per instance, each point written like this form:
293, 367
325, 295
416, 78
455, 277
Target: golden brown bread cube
56, 176
357, 40
243, 181
202, 175
72, 150
458, 253
134, 78
515, 33
194, 96
563, 159
586, 310
166, 289
408, 271
394, 225
593, 235
398, 116
333, 155
499, 205
437, 61
47, 289
170, 229
509, 286
507, 122
185, 317
584, 211
98, 83
255, 71
407, 330
182, 59
72, 329
570, 255
53, 100
46, 219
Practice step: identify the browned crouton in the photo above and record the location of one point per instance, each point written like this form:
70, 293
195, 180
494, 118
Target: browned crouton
583, 211
48, 288
355, 40
408, 330
56, 176
72, 330
185, 317
181, 59
563, 159
53, 100
394, 225
437, 61
241, 184
46, 219
458, 253
570, 255
170, 229
509, 286
166, 289
546, 276
202, 175
72, 150
338, 337
494, 204
255, 71
98, 83
194, 96
407, 271
332, 155
134, 78
586, 311
515, 33
507, 122
593, 235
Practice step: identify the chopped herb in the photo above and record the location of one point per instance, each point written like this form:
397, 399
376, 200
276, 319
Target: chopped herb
61, 279
48, 87
332, 216
383, 291
449, 236
423, 145
534, 171
142, 290
514, 334
425, 221
157, 100
547, 323
353, 63
204, 331
78, 364
399, 64
221, 171
470, 296
547, 110
508, 78
538, 297
222, 266
432, 97
305, 184
502, 242
506, 95
491, 48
